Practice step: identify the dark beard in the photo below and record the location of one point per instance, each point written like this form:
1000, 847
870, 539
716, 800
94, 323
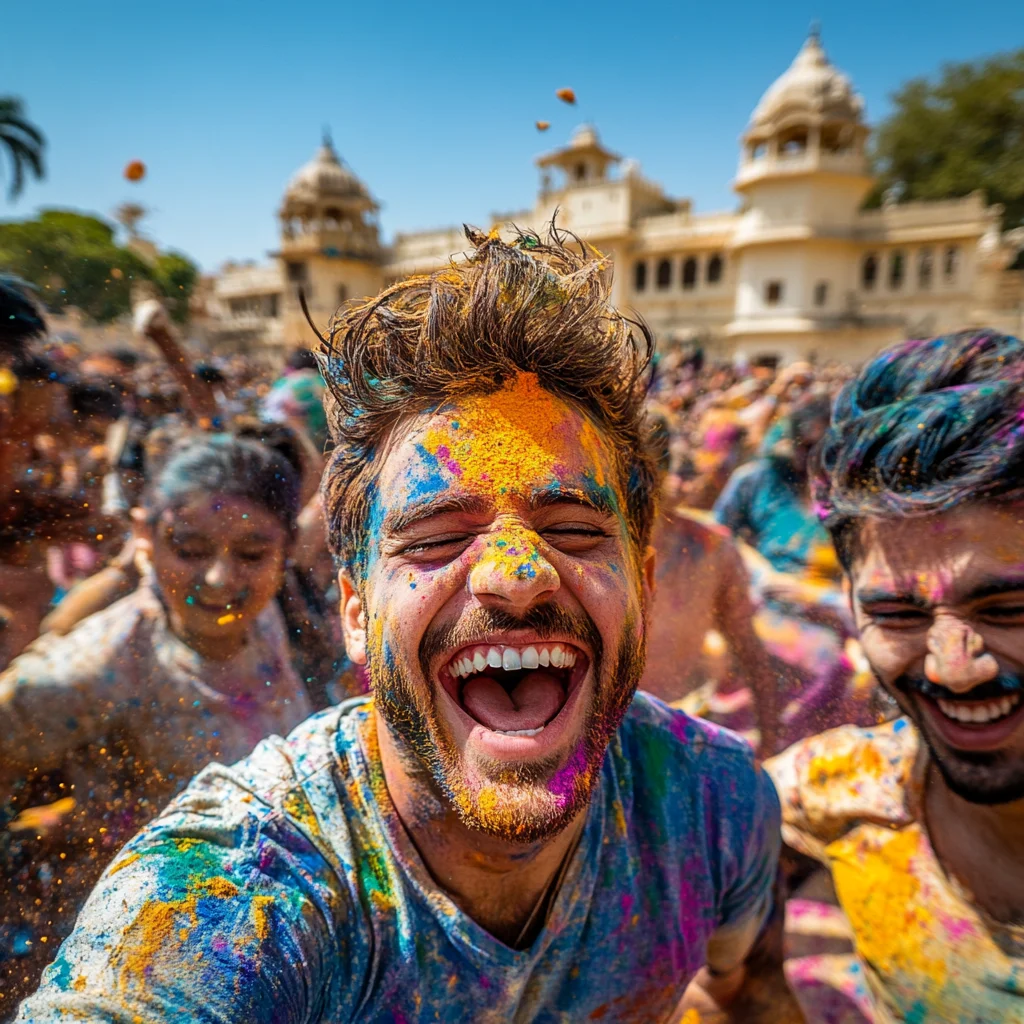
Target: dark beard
979, 777
431, 756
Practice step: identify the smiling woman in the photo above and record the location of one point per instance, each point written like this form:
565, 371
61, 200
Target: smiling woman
191, 667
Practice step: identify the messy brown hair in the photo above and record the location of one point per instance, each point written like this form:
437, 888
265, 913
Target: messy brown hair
530, 306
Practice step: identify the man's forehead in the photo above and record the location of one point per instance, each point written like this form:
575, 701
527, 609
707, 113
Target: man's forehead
510, 442
943, 555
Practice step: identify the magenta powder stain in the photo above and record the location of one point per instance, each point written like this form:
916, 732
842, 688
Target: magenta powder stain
564, 779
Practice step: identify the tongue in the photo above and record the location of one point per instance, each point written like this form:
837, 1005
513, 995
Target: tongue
533, 703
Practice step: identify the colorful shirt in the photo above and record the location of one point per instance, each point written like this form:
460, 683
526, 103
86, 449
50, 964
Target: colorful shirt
121, 714
852, 799
285, 889
762, 503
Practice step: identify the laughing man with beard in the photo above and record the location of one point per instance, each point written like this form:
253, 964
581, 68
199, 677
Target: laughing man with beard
921, 821
505, 831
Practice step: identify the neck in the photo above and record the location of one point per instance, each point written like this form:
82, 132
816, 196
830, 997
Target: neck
996, 826
981, 845
496, 882
216, 648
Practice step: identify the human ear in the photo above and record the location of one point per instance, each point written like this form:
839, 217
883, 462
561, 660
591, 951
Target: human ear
353, 620
650, 559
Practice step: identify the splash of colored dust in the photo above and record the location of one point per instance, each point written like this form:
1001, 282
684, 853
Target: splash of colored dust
153, 928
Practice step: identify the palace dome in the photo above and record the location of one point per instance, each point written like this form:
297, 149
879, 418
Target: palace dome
811, 85
325, 177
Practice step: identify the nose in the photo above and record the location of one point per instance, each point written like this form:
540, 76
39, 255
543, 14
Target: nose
956, 655
512, 571
218, 572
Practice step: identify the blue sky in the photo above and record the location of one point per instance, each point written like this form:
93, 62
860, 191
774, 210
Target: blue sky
433, 105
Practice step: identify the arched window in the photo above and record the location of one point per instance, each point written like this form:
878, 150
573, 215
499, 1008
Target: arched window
773, 293
663, 275
640, 276
821, 294
581, 172
951, 261
869, 272
690, 273
714, 270
897, 269
925, 267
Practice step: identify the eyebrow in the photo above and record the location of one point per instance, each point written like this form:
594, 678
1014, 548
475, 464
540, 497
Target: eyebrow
991, 586
399, 520
880, 596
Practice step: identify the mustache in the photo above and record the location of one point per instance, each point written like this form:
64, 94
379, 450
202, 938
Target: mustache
1004, 684
546, 620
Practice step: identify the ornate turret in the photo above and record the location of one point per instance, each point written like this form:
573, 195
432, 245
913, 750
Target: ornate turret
328, 209
809, 119
584, 161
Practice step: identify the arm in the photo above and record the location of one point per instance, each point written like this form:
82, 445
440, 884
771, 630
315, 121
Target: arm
99, 591
63, 692
751, 663
218, 912
151, 322
752, 992
742, 981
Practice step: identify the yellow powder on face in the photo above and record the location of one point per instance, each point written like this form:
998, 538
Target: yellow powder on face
514, 440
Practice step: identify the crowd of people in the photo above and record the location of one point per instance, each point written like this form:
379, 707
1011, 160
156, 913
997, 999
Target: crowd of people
408, 584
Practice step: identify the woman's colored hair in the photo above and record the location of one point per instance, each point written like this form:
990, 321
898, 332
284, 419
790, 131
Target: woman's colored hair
528, 306
924, 427
223, 464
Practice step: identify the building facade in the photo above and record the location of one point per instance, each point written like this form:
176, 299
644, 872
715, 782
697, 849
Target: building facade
800, 270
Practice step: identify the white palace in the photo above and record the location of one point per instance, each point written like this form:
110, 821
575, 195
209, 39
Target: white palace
799, 269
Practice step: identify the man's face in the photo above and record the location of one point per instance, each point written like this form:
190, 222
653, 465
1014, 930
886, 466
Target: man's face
503, 604
939, 602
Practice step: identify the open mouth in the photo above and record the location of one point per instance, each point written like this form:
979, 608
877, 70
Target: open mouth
515, 690
979, 712
983, 722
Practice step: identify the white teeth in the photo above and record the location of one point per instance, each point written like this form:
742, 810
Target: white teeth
974, 712
519, 732
512, 659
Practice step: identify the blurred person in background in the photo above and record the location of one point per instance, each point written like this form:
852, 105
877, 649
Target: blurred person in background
192, 666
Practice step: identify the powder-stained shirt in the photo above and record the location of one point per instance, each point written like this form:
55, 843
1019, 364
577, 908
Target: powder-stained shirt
285, 889
123, 673
852, 799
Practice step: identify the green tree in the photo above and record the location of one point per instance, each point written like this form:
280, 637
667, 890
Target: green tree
958, 134
74, 260
23, 141
176, 276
